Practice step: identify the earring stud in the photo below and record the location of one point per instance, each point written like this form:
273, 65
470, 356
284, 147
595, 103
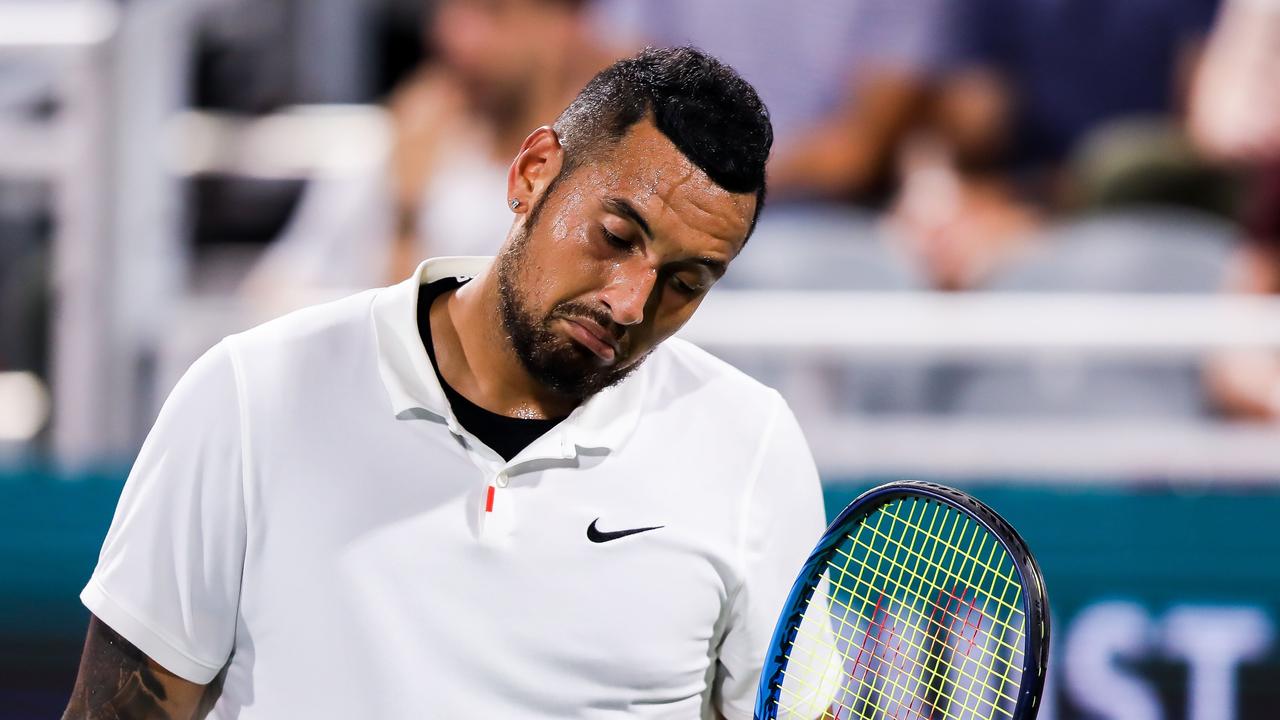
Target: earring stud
514, 203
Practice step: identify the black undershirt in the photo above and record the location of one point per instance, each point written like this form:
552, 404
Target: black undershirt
506, 435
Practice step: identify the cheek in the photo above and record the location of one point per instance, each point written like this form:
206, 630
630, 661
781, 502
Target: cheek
676, 308
560, 267
582, 262
672, 313
562, 215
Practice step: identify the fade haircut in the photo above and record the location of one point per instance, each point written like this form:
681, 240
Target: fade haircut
712, 116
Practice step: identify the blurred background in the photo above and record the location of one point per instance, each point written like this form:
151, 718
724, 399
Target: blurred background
1025, 247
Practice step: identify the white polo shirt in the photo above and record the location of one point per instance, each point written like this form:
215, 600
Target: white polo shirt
308, 517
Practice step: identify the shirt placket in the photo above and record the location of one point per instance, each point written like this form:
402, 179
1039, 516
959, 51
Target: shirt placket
497, 507
500, 503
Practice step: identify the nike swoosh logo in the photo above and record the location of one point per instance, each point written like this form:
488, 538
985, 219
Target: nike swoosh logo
602, 536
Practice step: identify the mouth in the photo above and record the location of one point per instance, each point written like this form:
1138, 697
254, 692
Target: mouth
595, 338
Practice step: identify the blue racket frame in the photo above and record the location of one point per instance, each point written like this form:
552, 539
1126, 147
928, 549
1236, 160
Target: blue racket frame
1035, 599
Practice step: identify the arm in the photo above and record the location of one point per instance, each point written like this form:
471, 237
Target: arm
782, 518
117, 681
1235, 110
165, 592
423, 110
849, 152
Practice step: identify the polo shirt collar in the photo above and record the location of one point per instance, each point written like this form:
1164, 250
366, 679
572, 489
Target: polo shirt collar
402, 360
603, 422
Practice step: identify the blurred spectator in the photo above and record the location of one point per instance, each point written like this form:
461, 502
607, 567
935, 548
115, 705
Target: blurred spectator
958, 230
843, 79
499, 68
1031, 78
1245, 383
1235, 118
1028, 82
1235, 110
504, 67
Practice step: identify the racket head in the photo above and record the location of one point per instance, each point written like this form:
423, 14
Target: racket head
835, 559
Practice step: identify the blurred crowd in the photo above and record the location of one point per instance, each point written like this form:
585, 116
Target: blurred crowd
1014, 145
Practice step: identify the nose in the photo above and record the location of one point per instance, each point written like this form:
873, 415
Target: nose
628, 293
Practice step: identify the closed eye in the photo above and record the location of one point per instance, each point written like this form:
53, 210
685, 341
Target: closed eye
682, 286
614, 240
685, 288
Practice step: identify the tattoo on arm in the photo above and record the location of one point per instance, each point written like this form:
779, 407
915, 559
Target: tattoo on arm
117, 681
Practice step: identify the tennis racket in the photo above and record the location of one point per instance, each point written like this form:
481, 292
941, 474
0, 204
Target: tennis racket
918, 603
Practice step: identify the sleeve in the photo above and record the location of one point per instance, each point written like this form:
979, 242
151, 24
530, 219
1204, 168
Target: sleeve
783, 518
168, 576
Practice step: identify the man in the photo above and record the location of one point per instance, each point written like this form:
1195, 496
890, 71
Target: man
492, 490
1030, 86
1235, 118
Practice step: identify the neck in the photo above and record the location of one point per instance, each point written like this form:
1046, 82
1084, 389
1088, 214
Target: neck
476, 358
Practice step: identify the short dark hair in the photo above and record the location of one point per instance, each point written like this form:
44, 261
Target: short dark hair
704, 107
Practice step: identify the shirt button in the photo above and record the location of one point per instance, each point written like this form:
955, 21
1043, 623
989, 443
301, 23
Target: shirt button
501, 481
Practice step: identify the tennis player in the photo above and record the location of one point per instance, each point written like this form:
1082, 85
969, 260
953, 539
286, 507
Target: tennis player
497, 489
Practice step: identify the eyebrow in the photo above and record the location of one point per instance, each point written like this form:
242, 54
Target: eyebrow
716, 267
619, 206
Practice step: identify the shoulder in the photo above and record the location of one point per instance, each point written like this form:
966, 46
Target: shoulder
682, 369
728, 408
315, 324
307, 344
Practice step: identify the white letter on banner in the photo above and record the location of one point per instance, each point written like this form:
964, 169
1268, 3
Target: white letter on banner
1213, 641
1099, 634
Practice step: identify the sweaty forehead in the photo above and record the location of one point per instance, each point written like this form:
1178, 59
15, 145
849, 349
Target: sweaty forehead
673, 193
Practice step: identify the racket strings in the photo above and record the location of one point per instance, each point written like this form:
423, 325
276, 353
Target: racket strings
904, 660
1012, 590
938, 602
938, 638
905, 693
1011, 585
876, 678
960, 577
878, 675
945, 603
905, 653
904, 669
963, 580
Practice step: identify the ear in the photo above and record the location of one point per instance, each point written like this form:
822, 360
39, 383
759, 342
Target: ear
536, 165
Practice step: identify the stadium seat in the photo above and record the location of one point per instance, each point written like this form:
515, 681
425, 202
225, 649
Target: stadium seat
831, 248
1151, 251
